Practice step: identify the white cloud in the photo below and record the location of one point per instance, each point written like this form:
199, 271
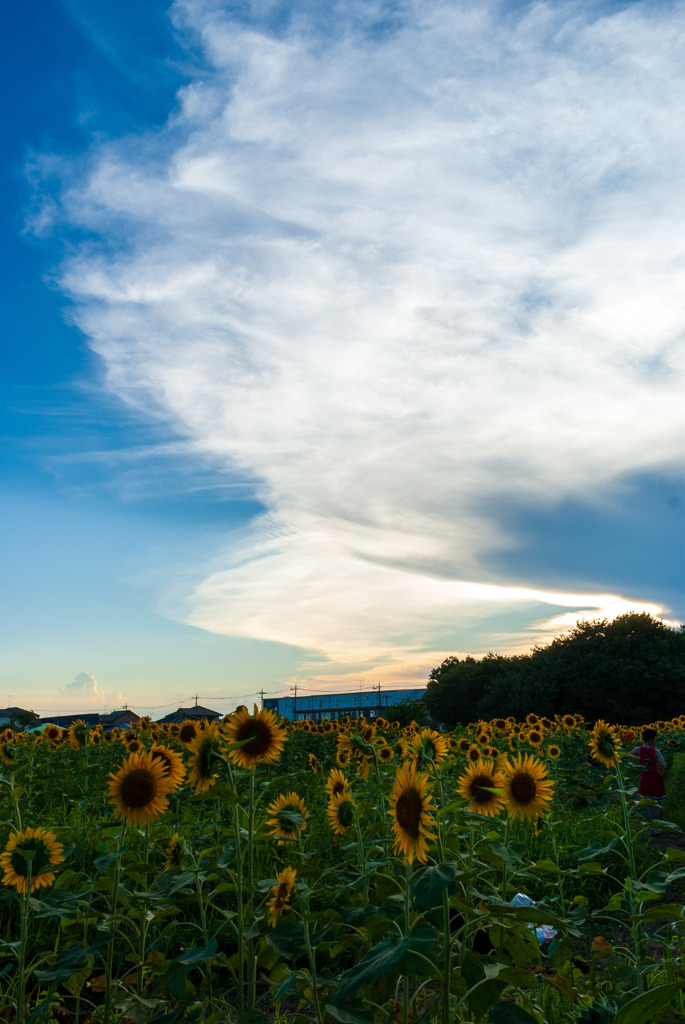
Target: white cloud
84, 685
400, 279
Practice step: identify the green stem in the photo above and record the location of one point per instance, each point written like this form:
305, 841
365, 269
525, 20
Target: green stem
24, 910
636, 926
407, 923
142, 935
239, 894
251, 958
113, 927
312, 964
446, 958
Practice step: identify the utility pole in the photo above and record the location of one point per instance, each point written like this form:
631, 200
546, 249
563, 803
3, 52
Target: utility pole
295, 704
261, 697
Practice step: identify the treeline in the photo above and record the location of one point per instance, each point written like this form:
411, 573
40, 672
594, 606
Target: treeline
631, 669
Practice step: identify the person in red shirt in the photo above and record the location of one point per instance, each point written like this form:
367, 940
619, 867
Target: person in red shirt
652, 768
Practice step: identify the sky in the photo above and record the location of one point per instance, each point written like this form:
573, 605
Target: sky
338, 339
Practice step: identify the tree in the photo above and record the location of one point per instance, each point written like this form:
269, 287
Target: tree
629, 669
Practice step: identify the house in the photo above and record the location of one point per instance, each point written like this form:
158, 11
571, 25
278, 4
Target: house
64, 721
18, 715
197, 712
370, 704
123, 719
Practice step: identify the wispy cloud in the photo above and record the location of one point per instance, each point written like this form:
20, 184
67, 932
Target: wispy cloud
400, 274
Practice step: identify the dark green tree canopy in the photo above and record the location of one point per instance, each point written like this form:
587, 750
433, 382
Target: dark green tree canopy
630, 669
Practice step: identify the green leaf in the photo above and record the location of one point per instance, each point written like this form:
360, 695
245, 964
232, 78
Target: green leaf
505, 1012
595, 850
253, 1017
664, 912
105, 860
429, 883
286, 939
641, 1010
353, 1012
482, 993
388, 957
511, 855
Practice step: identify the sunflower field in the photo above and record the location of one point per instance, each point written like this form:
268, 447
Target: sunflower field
255, 871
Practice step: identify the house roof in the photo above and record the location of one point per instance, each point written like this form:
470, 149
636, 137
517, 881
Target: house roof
117, 716
190, 713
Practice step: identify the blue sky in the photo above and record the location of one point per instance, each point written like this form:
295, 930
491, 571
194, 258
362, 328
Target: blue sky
336, 342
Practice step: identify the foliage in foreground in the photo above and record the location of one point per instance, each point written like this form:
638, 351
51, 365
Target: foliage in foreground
350, 872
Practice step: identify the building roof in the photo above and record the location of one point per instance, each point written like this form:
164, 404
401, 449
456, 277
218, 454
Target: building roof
115, 717
64, 721
197, 711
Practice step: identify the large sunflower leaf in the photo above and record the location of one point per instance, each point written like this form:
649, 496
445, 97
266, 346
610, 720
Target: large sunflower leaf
389, 957
642, 1008
506, 1012
429, 883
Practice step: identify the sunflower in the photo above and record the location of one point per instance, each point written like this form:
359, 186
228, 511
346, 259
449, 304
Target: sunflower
288, 816
260, 733
499, 724
385, 753
281, 894
336, 783
313, 763
532, 719
134, 746
205, 748
173, 853
463, 744
189, 731
477, 785
172, 762
526, 787
78, 733
410, 807
473, 754
430, 747
534, 737
95, 737
35, 851
553, 751
140, 788
340, 813
52, 733
7, 754
628, 736
568, 722
605, 743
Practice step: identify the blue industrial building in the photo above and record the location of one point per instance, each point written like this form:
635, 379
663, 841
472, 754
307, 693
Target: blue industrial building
369, 703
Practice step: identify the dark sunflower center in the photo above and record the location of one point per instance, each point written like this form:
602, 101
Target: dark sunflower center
408, 811
258, 736
166, 762
523, 788
139, 788
338, 788
187, 733
478, 791
39, 862
346, 813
